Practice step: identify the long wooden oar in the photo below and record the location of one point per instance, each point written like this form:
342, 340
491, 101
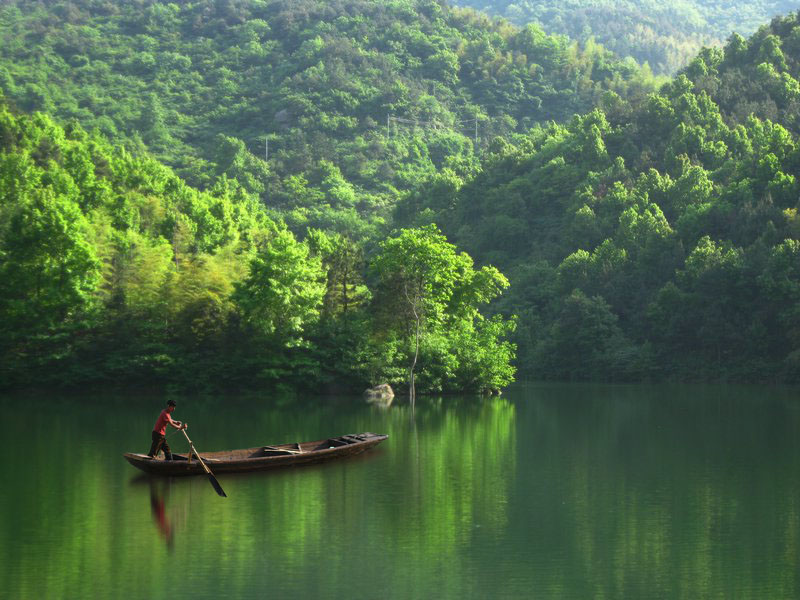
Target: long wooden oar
211, 478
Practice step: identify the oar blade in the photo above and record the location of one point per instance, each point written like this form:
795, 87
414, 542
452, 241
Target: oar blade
217, 487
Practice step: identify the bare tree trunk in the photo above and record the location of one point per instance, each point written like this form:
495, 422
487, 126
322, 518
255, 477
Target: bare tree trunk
412, 392
413, 389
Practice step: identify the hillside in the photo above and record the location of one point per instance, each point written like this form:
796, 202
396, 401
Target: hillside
660, 241
650, 236
664, 35
359, 99
115, 272
759, 75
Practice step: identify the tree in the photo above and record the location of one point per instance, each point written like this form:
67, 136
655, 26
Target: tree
428, 290
48, 274
343, 261
235, 161
284, 290
48, 269
585, 341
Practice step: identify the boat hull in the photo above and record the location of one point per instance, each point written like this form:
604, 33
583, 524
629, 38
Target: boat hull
259, 458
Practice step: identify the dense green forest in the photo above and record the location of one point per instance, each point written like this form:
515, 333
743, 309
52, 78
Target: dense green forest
758, 76
661, 241
360, 102
647, 232
113, 270
357, 100
664, 35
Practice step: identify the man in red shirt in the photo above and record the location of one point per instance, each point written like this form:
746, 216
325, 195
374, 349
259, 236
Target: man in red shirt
160, 431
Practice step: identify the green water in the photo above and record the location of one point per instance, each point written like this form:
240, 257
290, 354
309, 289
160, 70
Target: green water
551, 491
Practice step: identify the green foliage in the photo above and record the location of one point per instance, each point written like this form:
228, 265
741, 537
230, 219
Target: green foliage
112, 269
585, 342
648, 235
283, 292
665, 36
211, 91
343, 260
757, 77
638, 241
48, 269
427, 298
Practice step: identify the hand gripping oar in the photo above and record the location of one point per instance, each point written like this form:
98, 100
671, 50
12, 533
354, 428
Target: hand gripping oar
211, 478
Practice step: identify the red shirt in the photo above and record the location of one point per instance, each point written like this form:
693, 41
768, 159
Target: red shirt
161, 422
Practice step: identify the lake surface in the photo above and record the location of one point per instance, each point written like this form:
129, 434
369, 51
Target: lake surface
550, 491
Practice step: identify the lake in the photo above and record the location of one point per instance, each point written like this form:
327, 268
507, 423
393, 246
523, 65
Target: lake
549, 491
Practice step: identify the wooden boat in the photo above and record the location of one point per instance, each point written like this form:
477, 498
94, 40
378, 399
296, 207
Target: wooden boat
259, 458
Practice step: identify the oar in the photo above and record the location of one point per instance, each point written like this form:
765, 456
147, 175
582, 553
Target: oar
211, 478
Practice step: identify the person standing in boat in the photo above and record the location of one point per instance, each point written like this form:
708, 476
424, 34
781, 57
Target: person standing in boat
160, 431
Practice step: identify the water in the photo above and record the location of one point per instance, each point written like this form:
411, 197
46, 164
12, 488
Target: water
550, 491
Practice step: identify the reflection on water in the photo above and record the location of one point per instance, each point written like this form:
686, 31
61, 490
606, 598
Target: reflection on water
159, 491
549, 491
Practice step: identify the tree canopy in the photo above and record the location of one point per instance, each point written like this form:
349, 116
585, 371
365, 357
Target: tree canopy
113, 270
666, 36
646, 241
328, 110
647, 232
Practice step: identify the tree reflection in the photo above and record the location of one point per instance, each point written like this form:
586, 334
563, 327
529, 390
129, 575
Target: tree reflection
557, 491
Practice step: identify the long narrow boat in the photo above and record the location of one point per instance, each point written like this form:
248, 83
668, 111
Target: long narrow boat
259, 458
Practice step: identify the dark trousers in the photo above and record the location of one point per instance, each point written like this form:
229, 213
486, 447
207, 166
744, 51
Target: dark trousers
160, 443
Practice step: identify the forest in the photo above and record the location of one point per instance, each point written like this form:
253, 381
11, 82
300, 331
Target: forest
659, 242
666, 36
328, 110
327, 195
113, 270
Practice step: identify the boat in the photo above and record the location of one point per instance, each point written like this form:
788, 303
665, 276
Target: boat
260, 457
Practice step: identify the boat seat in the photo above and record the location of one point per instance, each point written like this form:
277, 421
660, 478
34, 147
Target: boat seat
272, 450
